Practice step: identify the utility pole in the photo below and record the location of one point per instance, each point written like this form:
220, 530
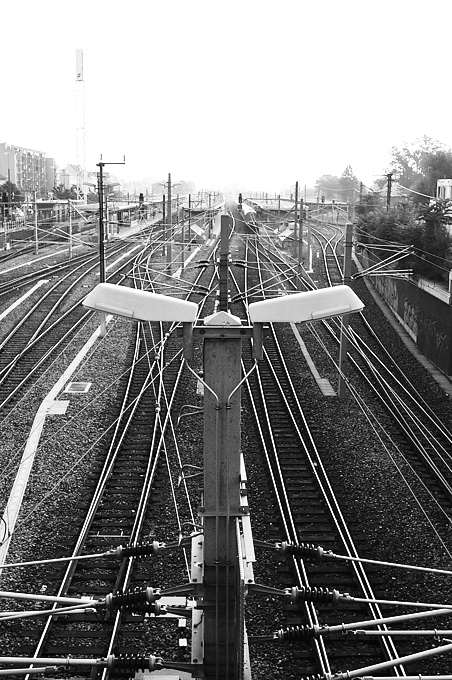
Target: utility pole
9, 192
210, 219
70, 228
300, 246
100, 179
169, 225
164, 224
100, 184
388, 194
222, 628
169, 255
35, 216
295, 229
189, 222
343, 350
182, 252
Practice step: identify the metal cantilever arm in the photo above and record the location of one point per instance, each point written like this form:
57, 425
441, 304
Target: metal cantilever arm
182, 476
193, 412
253, 367
203, 382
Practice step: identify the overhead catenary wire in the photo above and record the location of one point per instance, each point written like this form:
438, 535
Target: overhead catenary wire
94, 349
55, 487
416, 192
379, 428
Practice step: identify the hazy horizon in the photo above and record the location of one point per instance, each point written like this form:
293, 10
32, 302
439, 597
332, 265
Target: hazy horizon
244, 93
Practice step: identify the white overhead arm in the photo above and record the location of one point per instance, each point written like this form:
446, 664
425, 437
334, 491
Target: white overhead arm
307, 306
141, 305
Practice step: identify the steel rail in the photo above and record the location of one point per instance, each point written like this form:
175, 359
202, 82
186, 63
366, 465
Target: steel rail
7, 286
157, 443
36, 338
283, 504
317, 466
400, 398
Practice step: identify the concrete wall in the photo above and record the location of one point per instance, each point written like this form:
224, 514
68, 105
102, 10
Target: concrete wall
424, 314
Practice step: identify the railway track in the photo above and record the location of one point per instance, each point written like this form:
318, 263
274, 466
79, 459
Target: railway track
301, 508
117, 507
309, 513
421, 427
51, 320
410, 422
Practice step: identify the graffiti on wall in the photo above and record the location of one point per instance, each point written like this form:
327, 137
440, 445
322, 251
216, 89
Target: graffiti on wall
388, 291
427, 319
410, 318
434, 338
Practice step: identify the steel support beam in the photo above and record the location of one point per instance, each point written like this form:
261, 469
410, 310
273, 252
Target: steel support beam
223, 630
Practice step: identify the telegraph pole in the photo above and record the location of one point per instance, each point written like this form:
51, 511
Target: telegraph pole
35, 219
164, 222
295, 229
182, 252
169, 254
189, 222
100, 184
70, 228
210, 218
169, 225
388, 194
300, 246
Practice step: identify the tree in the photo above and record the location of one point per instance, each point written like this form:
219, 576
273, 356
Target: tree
10, 189
62, 193
328, 186
410, 162
348, 184
338, 188
404, 224
435, 166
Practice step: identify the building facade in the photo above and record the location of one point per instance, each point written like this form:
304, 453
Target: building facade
444, 189
28, 169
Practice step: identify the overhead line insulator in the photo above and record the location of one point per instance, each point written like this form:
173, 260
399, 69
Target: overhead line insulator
139, 550
303, 550
316, 595
132, 597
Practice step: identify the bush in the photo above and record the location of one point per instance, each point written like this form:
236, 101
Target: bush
423, 227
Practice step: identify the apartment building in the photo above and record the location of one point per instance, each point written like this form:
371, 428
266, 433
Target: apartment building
28, 169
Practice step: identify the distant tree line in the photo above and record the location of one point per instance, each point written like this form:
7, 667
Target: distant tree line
343, 189
419, 165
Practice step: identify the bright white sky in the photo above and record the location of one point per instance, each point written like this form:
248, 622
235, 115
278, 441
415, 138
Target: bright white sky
258, 93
